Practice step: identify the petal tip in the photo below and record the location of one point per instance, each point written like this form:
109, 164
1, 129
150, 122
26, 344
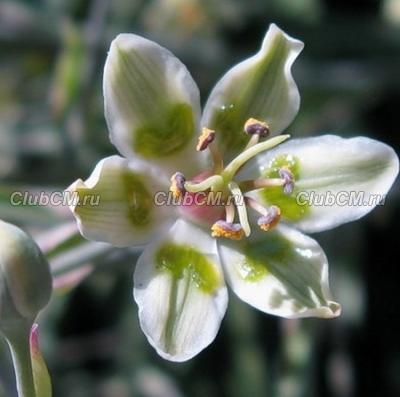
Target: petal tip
334, 309
273, 30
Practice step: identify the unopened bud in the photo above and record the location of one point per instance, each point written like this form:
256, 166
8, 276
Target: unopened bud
25, 278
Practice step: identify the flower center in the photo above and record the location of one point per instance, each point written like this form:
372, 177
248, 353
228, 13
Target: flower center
216, 199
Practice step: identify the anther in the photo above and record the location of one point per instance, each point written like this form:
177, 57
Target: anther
206, 137
256, 127
178, 184
221, 228
286, 174
271, 219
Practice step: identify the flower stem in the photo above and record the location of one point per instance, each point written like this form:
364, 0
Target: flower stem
18, 341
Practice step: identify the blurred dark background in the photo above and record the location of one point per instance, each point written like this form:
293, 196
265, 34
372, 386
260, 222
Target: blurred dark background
52, 131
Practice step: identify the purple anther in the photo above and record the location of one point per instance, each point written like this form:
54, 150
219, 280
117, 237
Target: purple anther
288, 177
255, 127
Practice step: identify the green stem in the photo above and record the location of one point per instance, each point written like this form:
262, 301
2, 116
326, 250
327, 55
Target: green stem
18, 342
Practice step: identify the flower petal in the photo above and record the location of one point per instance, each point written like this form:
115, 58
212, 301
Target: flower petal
117, 204
337, 180
281, 272
261, 87
180, 291
152, 104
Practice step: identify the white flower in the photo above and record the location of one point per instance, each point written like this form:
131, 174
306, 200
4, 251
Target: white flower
229, 211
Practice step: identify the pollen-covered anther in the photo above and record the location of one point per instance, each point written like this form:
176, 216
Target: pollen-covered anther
178, 184
271, 219
256, 127
206, 137
221, 228
286, 174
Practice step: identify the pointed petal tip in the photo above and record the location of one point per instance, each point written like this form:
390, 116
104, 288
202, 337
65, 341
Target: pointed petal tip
330, 310
335, 310
273, 30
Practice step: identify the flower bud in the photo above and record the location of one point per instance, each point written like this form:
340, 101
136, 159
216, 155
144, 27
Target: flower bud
25, 278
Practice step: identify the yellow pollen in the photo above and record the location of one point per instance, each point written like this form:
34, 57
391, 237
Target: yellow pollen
177, 185
233, 231
273, 222
206, 137
289, 169
256, 127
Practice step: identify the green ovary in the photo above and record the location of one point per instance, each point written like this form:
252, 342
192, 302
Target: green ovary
184, 261
166, 135
291, 210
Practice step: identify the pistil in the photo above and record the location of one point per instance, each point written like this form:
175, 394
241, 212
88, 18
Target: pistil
231, 169
214, 182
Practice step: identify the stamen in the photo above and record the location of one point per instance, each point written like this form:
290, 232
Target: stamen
256, 127
248, 186
241, 207
230, 212
286, 174
255, 205
271, 219
206, 137
222, 228
205, 142
178, 184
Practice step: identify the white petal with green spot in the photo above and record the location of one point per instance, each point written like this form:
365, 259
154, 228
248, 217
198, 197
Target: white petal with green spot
327, 166
117, 203
261, 87
181, 293
152, 104
282, 272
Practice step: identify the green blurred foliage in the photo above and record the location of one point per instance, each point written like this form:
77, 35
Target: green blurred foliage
52, 131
